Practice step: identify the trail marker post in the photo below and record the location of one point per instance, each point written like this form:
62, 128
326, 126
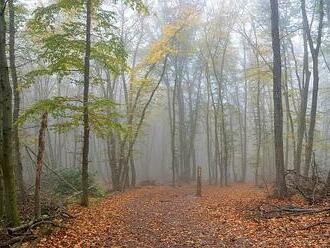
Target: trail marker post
199, 181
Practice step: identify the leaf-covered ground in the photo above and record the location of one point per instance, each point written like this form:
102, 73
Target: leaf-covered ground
161, 216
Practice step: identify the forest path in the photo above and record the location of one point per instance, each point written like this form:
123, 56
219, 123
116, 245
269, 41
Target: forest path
161, 216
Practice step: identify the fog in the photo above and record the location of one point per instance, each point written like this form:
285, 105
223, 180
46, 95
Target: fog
190, 84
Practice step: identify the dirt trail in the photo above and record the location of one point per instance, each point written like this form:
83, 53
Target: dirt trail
163, 216
168, 218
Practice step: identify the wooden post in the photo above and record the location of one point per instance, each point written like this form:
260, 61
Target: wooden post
199, 181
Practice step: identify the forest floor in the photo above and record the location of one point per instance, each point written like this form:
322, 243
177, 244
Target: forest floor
161, 216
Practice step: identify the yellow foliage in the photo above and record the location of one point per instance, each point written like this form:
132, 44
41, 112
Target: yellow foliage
157, 51
164, 46
261, 73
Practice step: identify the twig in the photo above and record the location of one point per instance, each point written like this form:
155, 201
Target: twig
316, 224
293, 211
304, 210
26, 226
47, 222
15, 240
24, 232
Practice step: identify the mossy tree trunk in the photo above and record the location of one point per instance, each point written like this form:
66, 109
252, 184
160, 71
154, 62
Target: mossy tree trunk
11, 212
17, 100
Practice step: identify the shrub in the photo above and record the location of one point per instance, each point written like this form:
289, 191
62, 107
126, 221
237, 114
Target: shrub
60, 184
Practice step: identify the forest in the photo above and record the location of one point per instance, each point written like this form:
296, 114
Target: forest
164, 123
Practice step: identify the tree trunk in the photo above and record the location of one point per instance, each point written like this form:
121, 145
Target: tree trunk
75, 148
216, 137
232, 142
12, 59
182, 133
111, 149
2, 192
290, 124
2, 206
51, 158
277, 94
315, 55
303, 108
84, 197
133, 171
257, 115
258, 129
208, 144
11, 213
174, 164
328, 183
223, 166
171, 115
193, 114
124, 158
244, 166
40, 162
225, 143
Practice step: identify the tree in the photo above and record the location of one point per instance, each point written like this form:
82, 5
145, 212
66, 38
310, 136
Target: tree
39, 164
17, 100
303, 102
7, 163
84, 166
314, 50
277, 94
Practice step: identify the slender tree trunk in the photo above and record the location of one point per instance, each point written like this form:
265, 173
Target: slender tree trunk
264, 132
244, 166
182, 133
124, 159
258, 130
224, 152
277, 94
59, 145
111, 141
133, 172
328, 183
290, 124
84, 198
174, 164
51, 157
193, 124
315, 55
257, 116
171, 115
11, 213
303, 108
12, 59
75, 148
225, 142
2, 192
111, 149
232, 142
208, 131
216, 137
129, 110
39, 165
